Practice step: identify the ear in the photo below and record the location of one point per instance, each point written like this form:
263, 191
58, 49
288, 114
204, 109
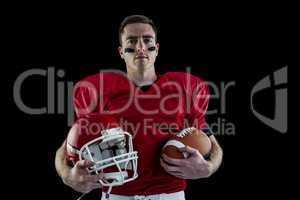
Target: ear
121, 52
157, 48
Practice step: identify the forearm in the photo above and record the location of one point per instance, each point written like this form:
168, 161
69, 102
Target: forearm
61, 163
216, 155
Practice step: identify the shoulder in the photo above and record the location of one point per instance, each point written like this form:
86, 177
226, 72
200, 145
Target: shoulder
103, 77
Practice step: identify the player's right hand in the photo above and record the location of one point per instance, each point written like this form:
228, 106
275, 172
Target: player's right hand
80, 180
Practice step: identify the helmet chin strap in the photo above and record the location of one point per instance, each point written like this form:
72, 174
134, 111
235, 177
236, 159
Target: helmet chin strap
112, 175
81, 196
106, 195
116, 176
108, 192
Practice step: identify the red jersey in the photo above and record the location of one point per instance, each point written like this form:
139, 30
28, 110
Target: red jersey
174, 101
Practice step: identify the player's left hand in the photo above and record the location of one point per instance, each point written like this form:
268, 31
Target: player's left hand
192, 167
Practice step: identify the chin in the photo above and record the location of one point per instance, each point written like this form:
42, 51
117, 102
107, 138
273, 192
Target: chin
142, 65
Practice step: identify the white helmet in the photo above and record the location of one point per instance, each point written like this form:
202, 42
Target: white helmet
111, 151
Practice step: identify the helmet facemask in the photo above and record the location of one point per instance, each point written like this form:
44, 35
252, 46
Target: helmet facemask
113, 155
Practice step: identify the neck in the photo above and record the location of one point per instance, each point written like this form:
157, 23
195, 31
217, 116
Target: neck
142, 77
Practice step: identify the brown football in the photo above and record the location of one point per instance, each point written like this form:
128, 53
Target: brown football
191, 137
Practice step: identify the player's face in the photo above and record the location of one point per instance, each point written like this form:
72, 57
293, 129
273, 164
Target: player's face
139, 48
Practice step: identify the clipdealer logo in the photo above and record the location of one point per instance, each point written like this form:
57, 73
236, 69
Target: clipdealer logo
60, 94
278, 83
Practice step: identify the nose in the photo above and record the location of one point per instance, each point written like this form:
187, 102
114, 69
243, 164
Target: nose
141, 46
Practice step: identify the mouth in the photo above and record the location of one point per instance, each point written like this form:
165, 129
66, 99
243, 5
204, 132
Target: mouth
141, 57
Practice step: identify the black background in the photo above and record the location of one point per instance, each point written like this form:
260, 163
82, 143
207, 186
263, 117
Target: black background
240, 43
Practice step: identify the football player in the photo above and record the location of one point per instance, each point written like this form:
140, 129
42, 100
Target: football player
154, 106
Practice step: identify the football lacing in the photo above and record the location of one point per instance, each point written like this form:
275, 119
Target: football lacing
185, 131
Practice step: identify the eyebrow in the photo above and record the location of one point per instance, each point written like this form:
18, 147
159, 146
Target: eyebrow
135, 37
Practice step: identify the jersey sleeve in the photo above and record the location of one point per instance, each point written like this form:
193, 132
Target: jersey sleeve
85, 99
199, 97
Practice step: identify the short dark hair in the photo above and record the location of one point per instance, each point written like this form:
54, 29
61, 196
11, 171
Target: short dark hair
132, 19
